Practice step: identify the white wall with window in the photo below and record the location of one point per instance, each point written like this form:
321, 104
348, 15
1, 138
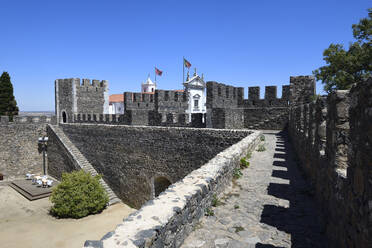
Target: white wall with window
195, 88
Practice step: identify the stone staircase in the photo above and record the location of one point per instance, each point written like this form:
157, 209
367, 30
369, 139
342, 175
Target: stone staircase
82, 162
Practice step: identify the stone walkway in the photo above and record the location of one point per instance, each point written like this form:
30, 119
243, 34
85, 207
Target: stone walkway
270, 206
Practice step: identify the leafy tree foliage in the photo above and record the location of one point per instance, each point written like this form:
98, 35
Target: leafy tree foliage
345, 67
78, 195
8, 104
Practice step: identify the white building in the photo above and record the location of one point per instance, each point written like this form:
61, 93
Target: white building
148, 86
195, 88
116, 104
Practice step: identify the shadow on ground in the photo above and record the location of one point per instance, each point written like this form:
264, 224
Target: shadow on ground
300, 220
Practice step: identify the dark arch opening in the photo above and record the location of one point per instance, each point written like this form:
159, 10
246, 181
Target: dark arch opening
64, 117
160, 184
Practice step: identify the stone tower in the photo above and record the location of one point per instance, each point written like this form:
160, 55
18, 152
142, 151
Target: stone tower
73, 97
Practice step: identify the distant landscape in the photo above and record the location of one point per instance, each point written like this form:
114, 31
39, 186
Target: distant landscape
36, 113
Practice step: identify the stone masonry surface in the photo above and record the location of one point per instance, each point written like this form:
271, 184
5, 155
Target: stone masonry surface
332, 137
131, 157
19, 145
269, 206
72, 159
169, 218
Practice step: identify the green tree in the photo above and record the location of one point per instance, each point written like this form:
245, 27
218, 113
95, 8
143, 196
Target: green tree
8, 104
345, 67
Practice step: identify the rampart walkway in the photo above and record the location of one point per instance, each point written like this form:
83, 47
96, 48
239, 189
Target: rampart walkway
270, 206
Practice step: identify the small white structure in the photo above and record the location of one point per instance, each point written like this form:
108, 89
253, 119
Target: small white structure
148, 86
116, 104
195, 88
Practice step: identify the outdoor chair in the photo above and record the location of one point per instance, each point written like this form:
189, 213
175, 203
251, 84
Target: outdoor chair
50, 183
29, 176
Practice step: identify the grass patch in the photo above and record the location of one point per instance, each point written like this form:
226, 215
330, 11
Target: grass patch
238, 228
216, 202
209, 212
261, 148
236, 206
248, 156
237, 173
244, 163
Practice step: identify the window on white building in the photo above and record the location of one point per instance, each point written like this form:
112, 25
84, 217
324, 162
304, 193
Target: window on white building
196, 104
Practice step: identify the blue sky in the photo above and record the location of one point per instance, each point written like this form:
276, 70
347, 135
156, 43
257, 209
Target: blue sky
243, 43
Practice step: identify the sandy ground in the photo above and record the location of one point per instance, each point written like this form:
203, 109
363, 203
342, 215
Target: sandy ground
25, 223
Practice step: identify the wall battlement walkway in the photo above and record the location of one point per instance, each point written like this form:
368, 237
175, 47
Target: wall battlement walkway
271, 205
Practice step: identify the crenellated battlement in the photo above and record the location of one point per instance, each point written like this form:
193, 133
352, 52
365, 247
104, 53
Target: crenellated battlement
222, 96
226, 105
100, 118
42, 119
171, 96
84, 82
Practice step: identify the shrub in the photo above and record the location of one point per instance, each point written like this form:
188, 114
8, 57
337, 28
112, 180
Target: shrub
244, 163
209, 212
216, 202
78, 195
237, 173
262, 137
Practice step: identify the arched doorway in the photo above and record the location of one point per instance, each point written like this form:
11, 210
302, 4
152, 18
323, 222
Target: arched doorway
160, 184
64, 117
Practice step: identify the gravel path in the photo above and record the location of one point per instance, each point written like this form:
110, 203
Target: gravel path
270, 206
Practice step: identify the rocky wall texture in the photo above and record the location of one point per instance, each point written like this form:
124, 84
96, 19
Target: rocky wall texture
19, 153
333, 138
227, 108
131, 157
168, 219
60, 159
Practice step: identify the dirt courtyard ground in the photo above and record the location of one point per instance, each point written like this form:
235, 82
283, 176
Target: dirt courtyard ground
25, 223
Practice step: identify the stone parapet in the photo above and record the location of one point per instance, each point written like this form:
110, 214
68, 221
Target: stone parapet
166, 220
332, 138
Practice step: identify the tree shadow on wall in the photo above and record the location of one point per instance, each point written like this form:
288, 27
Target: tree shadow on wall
300, 219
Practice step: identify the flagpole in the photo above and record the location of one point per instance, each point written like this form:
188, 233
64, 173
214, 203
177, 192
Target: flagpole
183, 69
155, 74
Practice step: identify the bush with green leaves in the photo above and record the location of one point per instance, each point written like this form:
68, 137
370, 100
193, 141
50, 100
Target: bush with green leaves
244, 163
237, 173
78, 195
209, 212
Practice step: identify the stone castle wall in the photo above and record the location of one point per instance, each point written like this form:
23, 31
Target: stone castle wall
332, 137
167, 220
130, 157
19, 152
227, 108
